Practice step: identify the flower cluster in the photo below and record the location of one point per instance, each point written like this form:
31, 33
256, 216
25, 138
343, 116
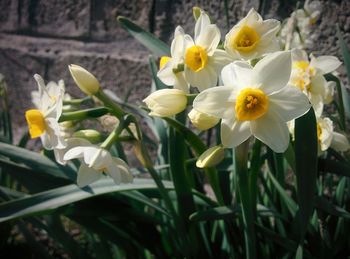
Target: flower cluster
261, 88
44, 122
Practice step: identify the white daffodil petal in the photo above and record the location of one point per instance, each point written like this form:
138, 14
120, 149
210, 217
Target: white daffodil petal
114, 172
271, 131
268, 27
317, 104
252, 18
215, 101
326, 64
46, 141
166, 74
180, 82
340, 142
124, 170
203, 79
234, 132
87, 175
318, 85
201, 25
209, 38
178, 44
273, 71
219, 59
289, 103
237, 74
54, 132
70, 143
75, 152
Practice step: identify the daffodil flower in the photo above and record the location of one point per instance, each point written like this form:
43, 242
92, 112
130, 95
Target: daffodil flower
326, 136
94, 162
308, 77
252, 37
255, 101
43, 121
203, 61
171, 71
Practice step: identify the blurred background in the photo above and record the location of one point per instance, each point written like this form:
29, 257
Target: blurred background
45, 36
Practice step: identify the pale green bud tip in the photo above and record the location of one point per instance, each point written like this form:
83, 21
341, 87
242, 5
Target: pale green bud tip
202, 121
196, 12
211, 157
166, 102
89, 134
86, 81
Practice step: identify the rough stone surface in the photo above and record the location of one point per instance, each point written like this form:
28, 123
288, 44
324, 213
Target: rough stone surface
44, 36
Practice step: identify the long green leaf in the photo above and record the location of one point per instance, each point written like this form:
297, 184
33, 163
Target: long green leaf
306, 167
334, 167
158, 47
45, 202
346, 56
323, 204
36, 161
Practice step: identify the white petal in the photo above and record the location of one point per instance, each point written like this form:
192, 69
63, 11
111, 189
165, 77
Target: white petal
318, 85
289, 103
252, 19
215, 101
268, 28
271, 131
209, 38
326, 64
87, 175
76, 152
54, 131
202, 79
340, 142
234, 132
317, 104
219, 59
166, 74
201, 24
273, 71
237, 74
178, 44
124, 170
180, 82
46, 141
114, 172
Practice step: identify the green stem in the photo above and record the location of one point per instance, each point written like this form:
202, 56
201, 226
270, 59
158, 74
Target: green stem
241, 157
114, 135
84, 114
116, 110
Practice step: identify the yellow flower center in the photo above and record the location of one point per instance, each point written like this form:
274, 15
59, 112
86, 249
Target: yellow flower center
102, 169
251, 104
196, 58
319, 132
36, 123
163, 61
245, 39
303, 80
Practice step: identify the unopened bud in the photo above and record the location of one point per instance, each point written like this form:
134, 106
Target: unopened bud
86, 81
166, 102
202, 121
89, 134
211, 157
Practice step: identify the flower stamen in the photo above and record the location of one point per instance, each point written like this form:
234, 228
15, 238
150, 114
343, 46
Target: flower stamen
251, 104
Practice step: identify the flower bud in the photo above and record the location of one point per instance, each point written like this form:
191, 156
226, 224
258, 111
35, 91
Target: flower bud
166, 102
196, 12
89, 134
202, 121
211, 157
86, 81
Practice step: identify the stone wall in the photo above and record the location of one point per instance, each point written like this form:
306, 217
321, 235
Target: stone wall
45, 36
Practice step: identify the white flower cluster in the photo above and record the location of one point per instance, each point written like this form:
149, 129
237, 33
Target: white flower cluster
43, 122
263, 87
